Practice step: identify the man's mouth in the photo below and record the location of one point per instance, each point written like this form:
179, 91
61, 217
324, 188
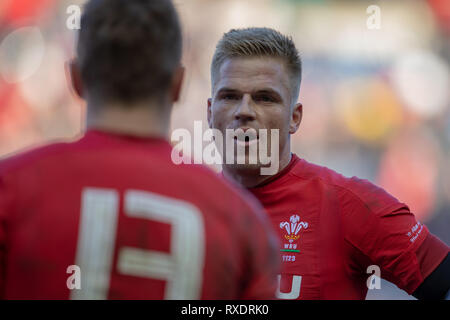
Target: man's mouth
246, 139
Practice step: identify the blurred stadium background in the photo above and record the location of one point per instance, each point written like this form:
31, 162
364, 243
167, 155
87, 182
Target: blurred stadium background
376, 101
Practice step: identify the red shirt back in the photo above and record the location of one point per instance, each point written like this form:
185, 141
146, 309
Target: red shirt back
136, 225
336, 231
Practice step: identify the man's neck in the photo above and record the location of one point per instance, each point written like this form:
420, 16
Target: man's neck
140, 120
253, 178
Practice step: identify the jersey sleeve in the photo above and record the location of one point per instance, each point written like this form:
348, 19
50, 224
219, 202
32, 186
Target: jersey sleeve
261, 255
386, 234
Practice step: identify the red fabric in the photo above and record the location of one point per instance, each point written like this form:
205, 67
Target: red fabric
40, 205
352, 224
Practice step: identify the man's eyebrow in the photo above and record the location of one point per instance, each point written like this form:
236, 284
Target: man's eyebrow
268, 91
227, 90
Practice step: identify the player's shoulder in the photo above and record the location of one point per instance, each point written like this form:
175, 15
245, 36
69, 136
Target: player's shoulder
212, 182
32, 156
305, 170
353, 188
231, 203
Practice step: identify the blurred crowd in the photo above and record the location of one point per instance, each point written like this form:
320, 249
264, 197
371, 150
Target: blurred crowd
376, 98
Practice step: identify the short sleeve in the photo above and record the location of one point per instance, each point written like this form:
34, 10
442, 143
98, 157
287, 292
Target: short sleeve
388, 235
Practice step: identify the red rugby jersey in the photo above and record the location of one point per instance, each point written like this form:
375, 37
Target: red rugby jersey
333, 229
137, 226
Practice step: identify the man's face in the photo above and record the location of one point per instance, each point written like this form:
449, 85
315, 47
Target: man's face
254, 93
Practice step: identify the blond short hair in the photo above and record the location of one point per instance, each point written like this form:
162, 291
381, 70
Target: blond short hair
259, 42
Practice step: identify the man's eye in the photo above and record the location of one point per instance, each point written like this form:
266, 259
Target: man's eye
229, 97
265, 98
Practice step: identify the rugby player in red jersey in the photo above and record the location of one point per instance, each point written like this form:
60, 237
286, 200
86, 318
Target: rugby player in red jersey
334, 230
111, 208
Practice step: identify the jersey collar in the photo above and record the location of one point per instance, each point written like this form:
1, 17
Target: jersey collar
279, 176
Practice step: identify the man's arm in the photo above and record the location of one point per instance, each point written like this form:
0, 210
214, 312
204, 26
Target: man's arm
437, 284
388, 235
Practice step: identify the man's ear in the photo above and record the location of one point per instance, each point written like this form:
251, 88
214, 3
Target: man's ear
209, 114
74, 77
177, 83
296, 118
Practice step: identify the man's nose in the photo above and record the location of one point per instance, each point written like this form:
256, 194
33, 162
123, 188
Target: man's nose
244, 110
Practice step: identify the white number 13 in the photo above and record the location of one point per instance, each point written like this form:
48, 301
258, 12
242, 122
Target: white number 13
182, 268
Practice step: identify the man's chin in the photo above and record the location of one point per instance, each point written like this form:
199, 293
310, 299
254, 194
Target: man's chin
252, 169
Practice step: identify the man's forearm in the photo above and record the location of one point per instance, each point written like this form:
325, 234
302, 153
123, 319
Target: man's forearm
436, 285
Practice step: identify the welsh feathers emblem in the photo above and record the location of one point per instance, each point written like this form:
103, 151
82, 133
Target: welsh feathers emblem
293, 228
292, 232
